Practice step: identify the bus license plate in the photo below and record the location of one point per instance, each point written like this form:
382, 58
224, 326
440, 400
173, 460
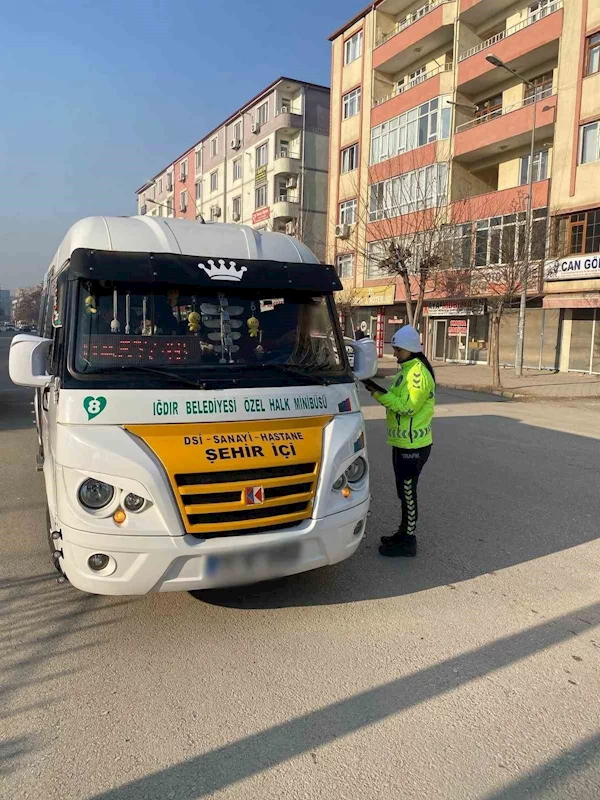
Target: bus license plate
258, 562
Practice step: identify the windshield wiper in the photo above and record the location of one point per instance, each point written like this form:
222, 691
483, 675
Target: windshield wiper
150, 370
297, 372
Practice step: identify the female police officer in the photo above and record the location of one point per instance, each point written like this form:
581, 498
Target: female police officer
409, 402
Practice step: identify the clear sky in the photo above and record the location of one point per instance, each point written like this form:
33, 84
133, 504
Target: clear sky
99, 95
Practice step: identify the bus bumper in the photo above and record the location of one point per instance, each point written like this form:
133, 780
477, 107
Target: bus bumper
139, 564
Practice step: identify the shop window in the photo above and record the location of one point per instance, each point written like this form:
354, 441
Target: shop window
577, 233
582, 330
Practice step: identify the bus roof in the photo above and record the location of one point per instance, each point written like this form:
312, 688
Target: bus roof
143, 234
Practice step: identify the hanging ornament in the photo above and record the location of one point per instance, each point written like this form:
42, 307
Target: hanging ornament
115, 325
127, 312
194, 319
90, 305
252, 322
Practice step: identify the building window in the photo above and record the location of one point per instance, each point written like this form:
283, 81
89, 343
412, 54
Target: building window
351, 103
418, 126
590, 143
541, 8
262, 155
160, 185
542, 88
592, 61
348, 212
413, 191
237, 131
503, 239
578, 233
183, 200
260, 196
198, 160
169, 182
198, 186
214, 147
345, 266
237, 169
170, 207
214, 181
215, 213
540, 167
183, 170
350, 158
262, 114
236, 208
353, 47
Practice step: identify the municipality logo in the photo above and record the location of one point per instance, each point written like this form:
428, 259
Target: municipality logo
94, 406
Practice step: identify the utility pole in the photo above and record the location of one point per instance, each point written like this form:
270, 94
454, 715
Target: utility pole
524, 274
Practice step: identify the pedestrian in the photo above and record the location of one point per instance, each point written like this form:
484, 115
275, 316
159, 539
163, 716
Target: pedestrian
410, 403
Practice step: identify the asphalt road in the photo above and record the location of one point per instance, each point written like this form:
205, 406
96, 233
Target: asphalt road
469, 672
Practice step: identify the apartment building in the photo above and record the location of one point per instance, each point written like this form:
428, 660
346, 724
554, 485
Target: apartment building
428, 135
264, 166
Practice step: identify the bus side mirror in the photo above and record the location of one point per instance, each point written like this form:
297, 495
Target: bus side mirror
27, 360
365, 358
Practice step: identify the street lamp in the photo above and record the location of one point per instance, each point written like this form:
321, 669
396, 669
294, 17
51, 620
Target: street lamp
496, 62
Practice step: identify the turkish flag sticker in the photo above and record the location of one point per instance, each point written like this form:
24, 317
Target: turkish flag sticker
254, 495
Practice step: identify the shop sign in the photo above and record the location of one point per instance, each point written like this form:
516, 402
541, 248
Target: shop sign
572, 267
261, 215
457, 327
260, 176
453, 309
374, 296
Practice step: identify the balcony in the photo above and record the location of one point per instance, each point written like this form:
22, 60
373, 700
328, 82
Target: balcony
505, 201
532, 42
429, 27
286, 163
504, 129
286, 118
476, 12
425, 87
286, 207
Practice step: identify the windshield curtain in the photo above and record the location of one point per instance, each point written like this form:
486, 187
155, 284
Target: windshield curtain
120, 325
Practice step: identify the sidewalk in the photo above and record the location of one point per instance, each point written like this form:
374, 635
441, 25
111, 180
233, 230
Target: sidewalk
532, 384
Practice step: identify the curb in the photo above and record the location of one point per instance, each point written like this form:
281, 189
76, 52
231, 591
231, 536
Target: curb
487, 390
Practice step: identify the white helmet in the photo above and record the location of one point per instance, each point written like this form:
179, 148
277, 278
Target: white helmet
408, 339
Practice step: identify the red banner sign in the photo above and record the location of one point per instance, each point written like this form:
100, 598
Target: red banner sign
261, 215
457, 327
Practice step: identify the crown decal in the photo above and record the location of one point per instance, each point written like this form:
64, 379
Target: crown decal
222, 272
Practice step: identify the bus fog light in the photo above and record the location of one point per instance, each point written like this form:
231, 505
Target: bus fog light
98, 561
133, 502
358, 528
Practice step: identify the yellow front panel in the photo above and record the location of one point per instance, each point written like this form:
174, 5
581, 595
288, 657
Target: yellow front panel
238, 476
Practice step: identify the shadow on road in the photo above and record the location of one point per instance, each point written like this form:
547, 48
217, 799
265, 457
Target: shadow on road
228, 765
484, 506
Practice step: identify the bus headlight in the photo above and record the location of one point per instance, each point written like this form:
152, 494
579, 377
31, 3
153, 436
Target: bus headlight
357, 470
338, 485
94, 494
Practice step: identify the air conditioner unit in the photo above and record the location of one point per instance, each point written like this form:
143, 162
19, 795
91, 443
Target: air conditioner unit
285, 109
291, 182
290, 228
182, 176
236, 144
235, 216
217, 212
255, 127
342, 231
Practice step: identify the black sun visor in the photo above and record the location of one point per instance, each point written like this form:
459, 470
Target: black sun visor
217, 272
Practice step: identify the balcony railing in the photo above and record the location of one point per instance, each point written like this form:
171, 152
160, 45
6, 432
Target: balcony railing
286, 197
501, 111
287, 154
409, 20
288, 110
414, 82
498, 37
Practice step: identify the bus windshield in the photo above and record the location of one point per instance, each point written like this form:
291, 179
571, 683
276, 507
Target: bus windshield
203, 333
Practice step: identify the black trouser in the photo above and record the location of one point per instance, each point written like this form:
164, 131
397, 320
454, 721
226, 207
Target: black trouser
407, 468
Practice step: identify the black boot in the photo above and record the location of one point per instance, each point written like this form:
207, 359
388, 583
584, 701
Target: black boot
402, 544
395, 536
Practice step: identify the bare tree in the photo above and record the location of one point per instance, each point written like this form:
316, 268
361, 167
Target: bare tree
27, 303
